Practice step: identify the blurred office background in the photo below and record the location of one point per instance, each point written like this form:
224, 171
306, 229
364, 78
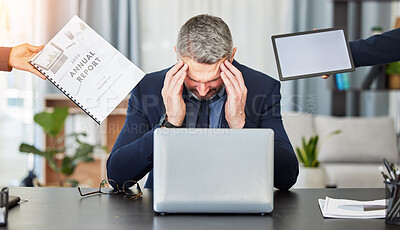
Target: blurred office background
145, 31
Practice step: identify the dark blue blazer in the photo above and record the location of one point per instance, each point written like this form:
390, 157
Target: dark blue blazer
378, 49
132, 155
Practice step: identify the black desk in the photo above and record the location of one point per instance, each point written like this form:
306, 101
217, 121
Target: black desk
63, 208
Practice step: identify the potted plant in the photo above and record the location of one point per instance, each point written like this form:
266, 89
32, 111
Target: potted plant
393, 72
311, 175
63, 164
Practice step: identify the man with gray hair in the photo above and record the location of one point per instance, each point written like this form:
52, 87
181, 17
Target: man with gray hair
207, 88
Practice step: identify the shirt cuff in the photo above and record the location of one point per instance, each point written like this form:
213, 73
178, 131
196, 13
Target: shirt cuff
4, 57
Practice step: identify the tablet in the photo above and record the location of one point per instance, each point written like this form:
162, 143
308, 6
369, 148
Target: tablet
312, 53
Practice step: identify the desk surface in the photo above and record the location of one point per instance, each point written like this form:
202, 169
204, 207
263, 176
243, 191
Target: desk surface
63, 208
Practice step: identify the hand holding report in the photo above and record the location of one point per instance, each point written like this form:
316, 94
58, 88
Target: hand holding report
87, 69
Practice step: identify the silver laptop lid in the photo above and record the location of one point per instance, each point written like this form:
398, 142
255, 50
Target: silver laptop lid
213, 170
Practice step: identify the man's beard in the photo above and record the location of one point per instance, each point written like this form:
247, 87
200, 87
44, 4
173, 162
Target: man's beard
210, 94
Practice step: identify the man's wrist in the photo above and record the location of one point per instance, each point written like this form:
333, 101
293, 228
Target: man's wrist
166, 124
238, 125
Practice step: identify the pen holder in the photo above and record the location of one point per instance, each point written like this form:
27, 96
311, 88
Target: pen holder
3, 206
393, 202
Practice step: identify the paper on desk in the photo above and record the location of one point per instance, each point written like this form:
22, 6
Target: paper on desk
348, 209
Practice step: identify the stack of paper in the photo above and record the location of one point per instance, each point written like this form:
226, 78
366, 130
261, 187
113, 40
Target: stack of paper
352, 209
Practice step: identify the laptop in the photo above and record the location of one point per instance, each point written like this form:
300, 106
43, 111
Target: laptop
312, 53
213, 170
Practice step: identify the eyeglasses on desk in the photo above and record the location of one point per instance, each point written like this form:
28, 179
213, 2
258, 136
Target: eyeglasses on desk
131, 189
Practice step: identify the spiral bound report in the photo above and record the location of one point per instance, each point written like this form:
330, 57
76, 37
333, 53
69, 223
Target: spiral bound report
65, 93
87, 69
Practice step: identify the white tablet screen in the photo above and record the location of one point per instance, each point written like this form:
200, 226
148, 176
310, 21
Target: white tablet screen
312, 53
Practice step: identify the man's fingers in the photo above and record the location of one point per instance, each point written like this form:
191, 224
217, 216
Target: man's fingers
235, 72
326, 76
175, 78
172, 72
176, 68
231, 77
179, 79
230, 90
231, 67
178, 87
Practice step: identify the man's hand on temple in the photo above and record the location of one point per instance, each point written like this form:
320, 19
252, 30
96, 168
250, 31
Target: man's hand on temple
237, 95
172, 93
20, 55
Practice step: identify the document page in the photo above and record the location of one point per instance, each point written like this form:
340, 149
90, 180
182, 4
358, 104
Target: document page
352, 209
87, 69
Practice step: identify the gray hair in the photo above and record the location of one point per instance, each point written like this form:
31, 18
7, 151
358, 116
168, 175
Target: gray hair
205, 39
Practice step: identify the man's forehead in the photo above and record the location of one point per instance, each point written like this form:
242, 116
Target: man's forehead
202, 72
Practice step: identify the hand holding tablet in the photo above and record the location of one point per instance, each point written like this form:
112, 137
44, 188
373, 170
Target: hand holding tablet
312, 53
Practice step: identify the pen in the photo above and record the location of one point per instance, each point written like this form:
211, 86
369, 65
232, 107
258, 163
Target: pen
393, 167
383, 174
394, 170
389, 169
397, 175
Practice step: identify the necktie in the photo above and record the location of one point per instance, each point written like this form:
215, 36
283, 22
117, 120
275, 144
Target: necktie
203, 118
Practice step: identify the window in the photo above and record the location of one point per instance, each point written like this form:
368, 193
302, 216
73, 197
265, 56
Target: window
17, 90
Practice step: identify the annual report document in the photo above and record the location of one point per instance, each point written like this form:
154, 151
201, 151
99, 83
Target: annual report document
87, 69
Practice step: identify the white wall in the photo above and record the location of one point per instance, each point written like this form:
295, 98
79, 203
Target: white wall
252, 23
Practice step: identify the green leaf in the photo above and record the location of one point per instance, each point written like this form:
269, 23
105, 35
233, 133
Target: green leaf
393, 68
49, 154
82, 154
304, 156
308, 154
303, 140
76, 134
308, 149
84, 150
52, 123
25, 148
330, 135
68, 165
53, 165
299, 155
313, 149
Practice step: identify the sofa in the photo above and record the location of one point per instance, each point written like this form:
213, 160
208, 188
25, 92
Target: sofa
352, 158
